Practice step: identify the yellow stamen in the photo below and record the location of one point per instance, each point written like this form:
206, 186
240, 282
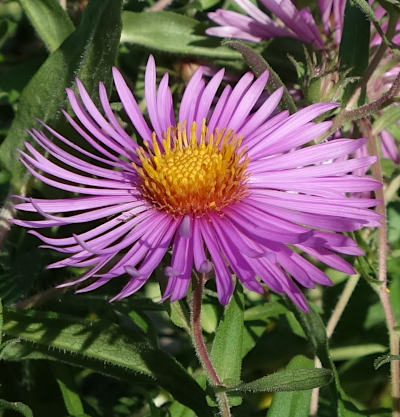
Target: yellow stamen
193, 175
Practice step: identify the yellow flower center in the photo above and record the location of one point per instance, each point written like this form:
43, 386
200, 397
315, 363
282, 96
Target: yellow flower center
193, 175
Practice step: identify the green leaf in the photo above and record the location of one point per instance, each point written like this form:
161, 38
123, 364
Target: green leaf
393, 214
11, 10
258, 65
209, 317
288, 380
369, 12
381, 360
1, 322
7, 30
20, 350
286, 404
68, 389
347, 409
16, 406
172, 33
179, 314
226, 351
50, 21
388, 117
388, 167
366, 270
87, 54
265, 311
178, 410
205, 4
354, 46
314, 329
356, 351
109, 344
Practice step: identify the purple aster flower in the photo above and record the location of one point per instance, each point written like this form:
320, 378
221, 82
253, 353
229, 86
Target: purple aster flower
226, 189
332, 13
258, 26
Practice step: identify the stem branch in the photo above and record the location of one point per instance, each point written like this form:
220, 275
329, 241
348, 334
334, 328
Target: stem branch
361, 112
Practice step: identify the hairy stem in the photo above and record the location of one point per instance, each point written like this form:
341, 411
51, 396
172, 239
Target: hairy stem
201, 350
384, 291
346, 116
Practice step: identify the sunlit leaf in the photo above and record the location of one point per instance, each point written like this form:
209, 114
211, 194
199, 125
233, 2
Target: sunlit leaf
288, 380
356, 351
295, 403
172, 33
226, 352
258, 65
17, 407
50, 20
68, 388
87, 54
108, 343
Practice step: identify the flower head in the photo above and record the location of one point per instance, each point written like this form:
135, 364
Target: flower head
257, 25
227, 189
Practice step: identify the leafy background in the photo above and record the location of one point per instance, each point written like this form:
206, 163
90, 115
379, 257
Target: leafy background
78, 355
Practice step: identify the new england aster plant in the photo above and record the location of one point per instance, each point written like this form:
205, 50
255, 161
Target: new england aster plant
227, 188
289, 21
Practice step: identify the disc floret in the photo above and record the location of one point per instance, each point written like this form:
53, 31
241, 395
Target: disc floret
193, 175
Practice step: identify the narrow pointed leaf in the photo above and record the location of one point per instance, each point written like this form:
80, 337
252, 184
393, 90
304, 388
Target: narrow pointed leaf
87, 54
15, 350
295, 403
388, 117
369, 12
50, 21
173, 33
354, 46
356, 351
226, 352
17, 407
1, 321
315, 331
288, 380
68, 389
381, 360
258, 65
108, 343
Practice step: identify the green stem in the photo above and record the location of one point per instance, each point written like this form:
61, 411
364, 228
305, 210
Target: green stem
344, 298
201, 350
